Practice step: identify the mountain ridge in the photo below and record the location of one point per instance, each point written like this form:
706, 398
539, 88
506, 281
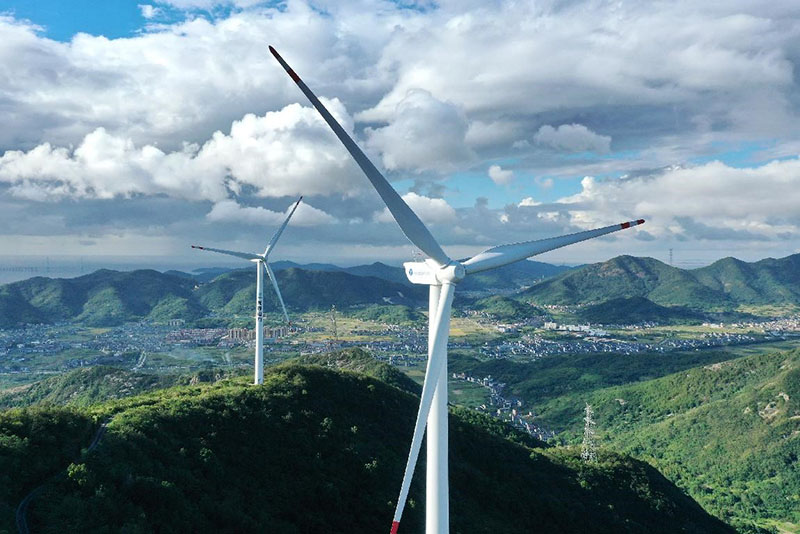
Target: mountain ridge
312, 450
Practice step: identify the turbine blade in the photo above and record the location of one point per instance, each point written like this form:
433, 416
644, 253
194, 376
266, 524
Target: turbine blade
279, 231
277, 291
438, 351
504, 254
409, 223
245, 255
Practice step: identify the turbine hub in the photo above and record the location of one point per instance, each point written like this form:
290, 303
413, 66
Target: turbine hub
452, 273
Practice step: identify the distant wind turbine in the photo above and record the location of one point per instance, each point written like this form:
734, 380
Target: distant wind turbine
441, 274
261, 260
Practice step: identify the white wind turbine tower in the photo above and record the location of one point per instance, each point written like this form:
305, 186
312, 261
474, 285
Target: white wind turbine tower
441, 274
261, 264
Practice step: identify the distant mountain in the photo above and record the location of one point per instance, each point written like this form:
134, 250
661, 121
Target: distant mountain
512, 277
233, 293
724, 284
380, 270
636, 310
310, 451
100, 298
763, 282
283, 264
508, 278
107, 298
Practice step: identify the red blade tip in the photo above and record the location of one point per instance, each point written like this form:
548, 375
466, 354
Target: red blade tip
395, 526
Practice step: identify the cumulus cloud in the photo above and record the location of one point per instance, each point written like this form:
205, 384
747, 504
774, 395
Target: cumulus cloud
500, 176
572, 138
230, 211
452, 87
529, 201
424, 133
710, 201
430, 210
286, 152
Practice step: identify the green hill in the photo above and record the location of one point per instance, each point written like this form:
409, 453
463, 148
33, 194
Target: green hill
108, 298
91, 385
311, 450
103, 298
506, 308
722, 285
634, 310
233, 293
390, 314
728, 432
361, 361
768, 281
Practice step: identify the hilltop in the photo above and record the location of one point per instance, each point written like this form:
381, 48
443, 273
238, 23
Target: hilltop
109, 298
724, 284
90, 385
311, 450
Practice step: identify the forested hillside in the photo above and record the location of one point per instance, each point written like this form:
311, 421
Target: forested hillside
726, 430
311, 450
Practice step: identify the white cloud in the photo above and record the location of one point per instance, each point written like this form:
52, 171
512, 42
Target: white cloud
429, 210
286, 152
500, 176
529, 201
710, 201
230, 211
149, 11
572, 138
452, 87
423, 134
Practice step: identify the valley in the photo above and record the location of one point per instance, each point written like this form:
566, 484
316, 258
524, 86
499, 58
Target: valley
682, 388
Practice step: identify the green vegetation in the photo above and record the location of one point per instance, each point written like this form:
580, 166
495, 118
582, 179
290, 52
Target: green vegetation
35, 444
311, 450
636, 310
553, 377
395, 315
109, 298
91, 385
725, 284
360, 361
506, 308
727, 431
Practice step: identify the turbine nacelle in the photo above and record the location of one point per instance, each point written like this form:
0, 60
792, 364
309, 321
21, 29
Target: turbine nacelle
430, 273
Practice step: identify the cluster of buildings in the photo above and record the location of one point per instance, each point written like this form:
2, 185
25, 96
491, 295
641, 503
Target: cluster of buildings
507, 409
245, 335
576, 328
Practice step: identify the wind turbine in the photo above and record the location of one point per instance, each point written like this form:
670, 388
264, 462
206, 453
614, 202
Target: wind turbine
261, 260
441, 274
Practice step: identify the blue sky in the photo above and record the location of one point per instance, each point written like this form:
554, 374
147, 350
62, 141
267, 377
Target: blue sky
497, 121
61, 20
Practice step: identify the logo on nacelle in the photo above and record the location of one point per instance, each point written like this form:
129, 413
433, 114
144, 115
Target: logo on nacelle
419, 272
